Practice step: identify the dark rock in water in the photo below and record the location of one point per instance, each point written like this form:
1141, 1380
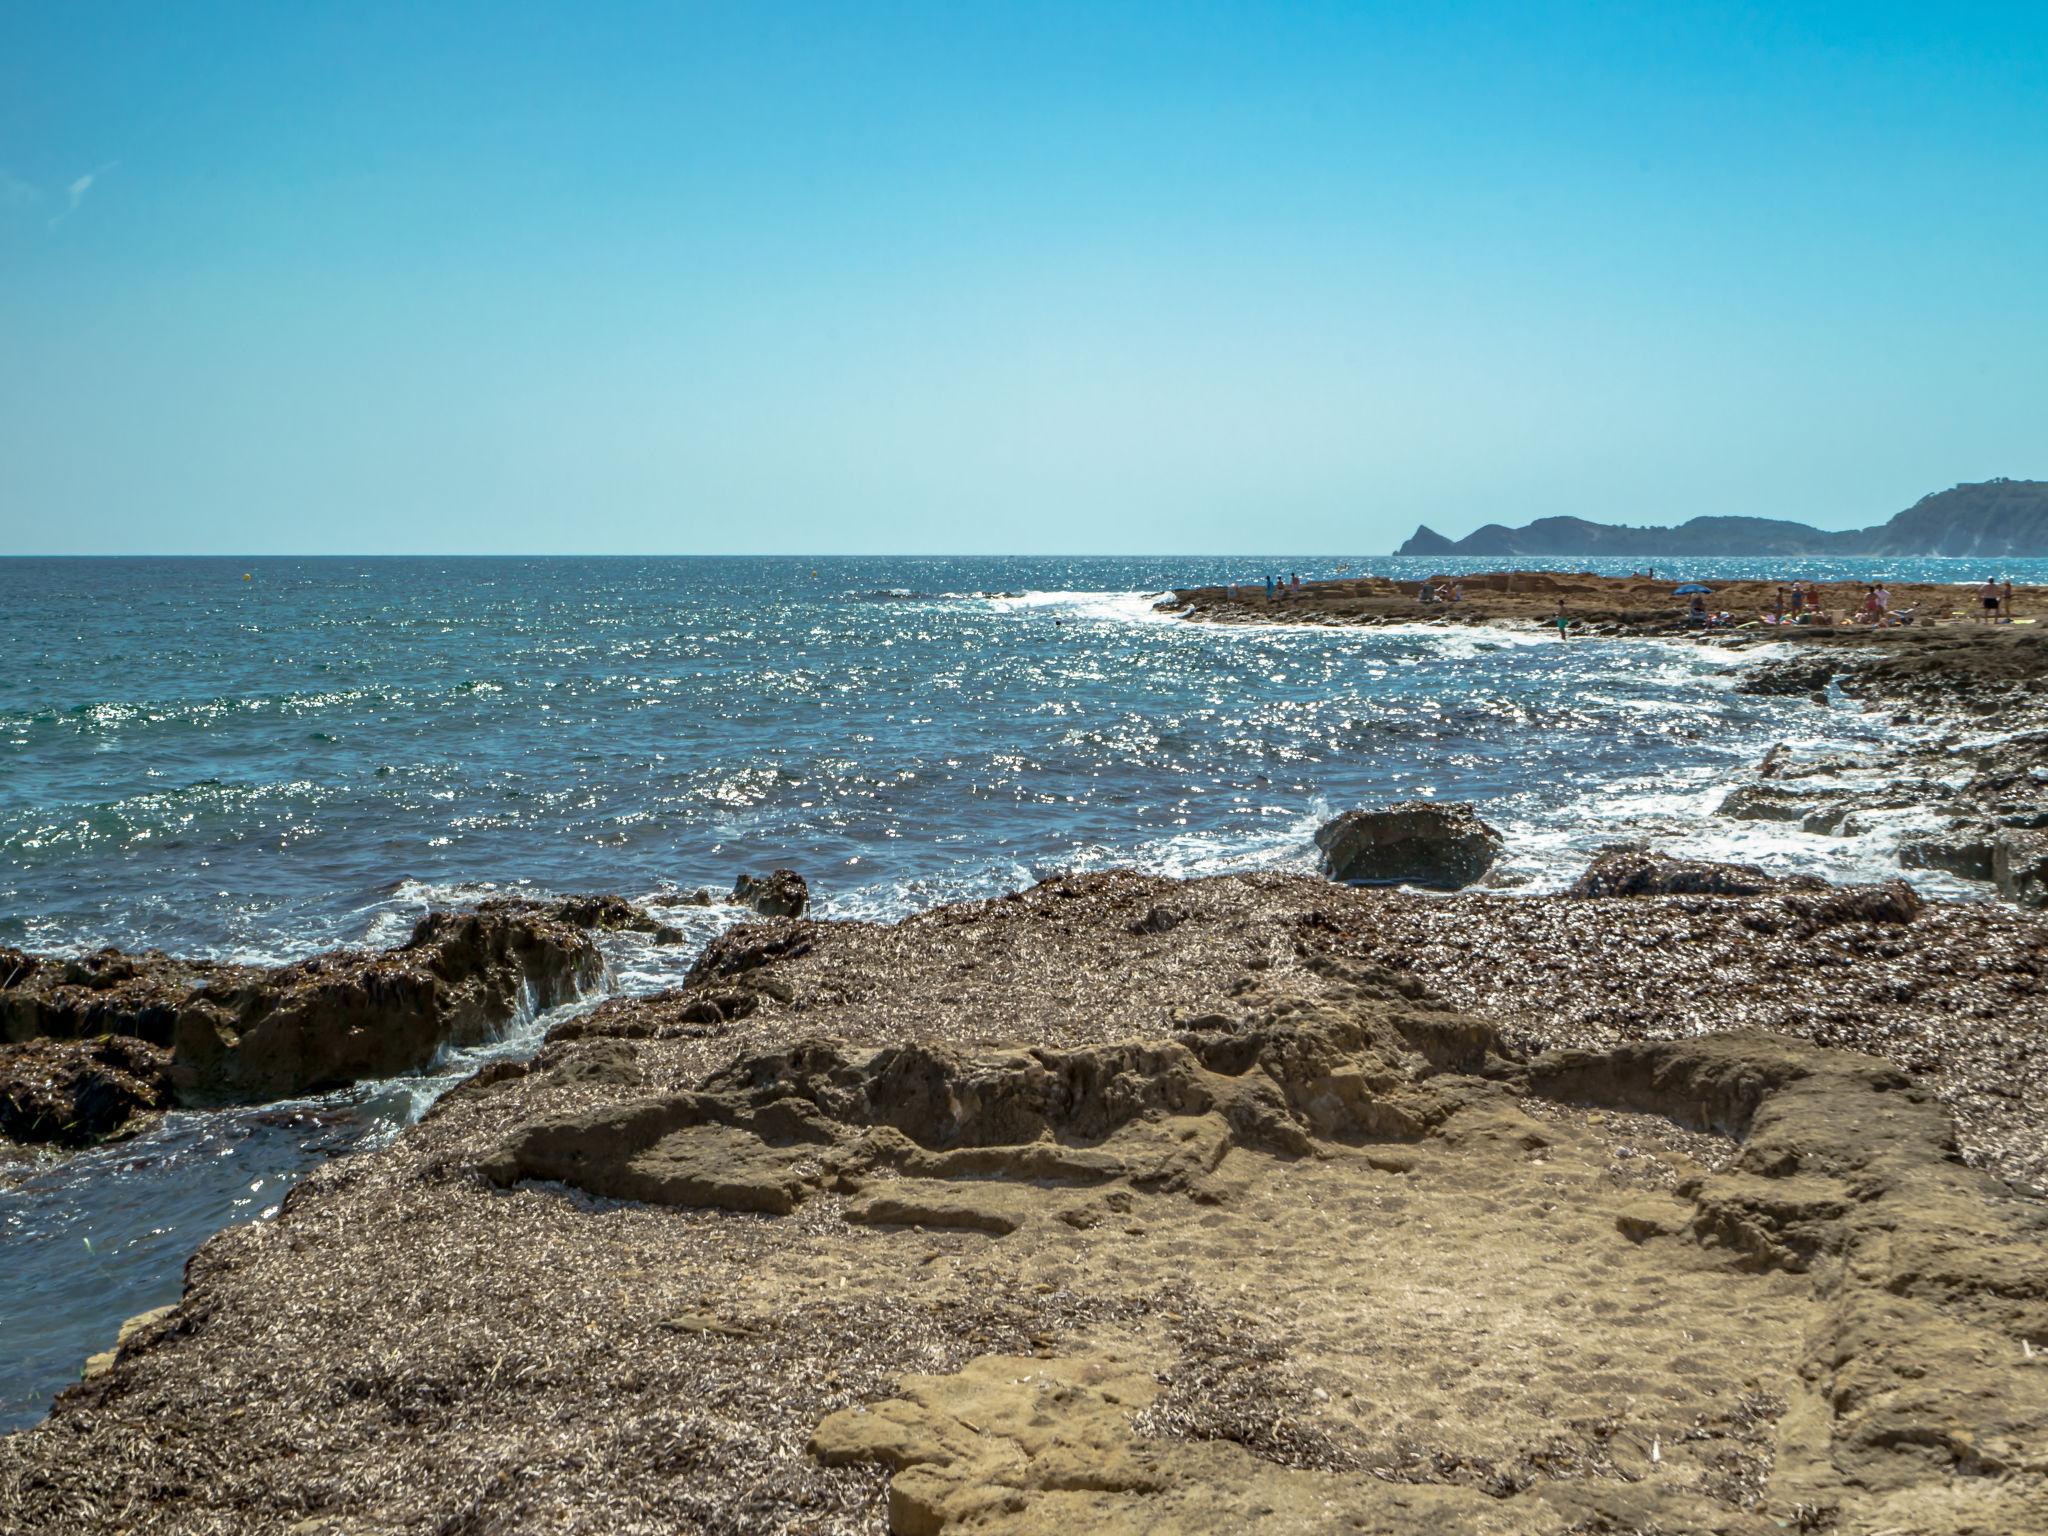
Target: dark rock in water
1632, 870
781, 893
241, 1032
1420, 842
1963, 853
341, 1017
2019, 863
607, 914
1786, 679
72, 1093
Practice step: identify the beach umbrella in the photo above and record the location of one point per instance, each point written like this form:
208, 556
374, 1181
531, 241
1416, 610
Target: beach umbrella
1688, 589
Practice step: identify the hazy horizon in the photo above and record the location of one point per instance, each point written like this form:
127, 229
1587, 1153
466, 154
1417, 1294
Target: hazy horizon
1037, 279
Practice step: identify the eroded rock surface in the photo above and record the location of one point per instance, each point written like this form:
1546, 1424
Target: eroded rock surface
237, 1032
605, 914
1039, 1215
71, 1093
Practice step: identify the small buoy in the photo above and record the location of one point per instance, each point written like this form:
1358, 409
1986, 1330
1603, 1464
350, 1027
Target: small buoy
246, 576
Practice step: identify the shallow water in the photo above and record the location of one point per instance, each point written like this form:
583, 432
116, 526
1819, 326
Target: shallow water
258, 768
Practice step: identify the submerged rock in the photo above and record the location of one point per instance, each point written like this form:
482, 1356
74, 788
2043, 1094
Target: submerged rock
780, 893
1444, 846
1777, 802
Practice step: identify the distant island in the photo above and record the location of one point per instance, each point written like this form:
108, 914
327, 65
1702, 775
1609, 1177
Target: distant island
1991, 518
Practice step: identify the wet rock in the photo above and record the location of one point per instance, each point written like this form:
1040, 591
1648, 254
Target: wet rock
1789, 678
781, 893
339, 1018
605, 914
108, 992
1632, 870
72, 1093
238, 1032
2019, 864
1444, 846
1778, 802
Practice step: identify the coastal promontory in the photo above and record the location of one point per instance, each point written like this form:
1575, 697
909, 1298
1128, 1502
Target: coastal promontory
1991, 519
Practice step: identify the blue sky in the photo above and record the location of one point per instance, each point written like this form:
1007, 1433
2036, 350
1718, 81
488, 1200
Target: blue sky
1005, 278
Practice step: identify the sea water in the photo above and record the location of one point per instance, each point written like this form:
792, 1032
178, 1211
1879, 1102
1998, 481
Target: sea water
257, 759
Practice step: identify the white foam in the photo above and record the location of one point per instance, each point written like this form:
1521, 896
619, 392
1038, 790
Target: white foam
1119, 607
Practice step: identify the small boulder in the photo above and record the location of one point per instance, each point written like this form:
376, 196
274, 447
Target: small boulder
1420, 842
780, 893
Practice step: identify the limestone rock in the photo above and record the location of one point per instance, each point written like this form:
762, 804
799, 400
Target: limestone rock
1420, 842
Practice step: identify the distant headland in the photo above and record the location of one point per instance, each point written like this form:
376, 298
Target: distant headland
1990, 518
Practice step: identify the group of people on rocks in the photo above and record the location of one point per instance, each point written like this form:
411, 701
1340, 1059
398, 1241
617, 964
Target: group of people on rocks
1994, 602
1277, 588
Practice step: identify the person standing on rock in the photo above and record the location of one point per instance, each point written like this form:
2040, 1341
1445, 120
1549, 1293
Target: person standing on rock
1564, 625
1987, 601
2005, 602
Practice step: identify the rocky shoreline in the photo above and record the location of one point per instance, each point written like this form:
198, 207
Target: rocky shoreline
1690, 1199
92, 1046
1161, 1205
1593, 605
1974, 699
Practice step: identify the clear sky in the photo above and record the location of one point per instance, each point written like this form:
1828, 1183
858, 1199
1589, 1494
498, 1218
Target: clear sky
1005, 278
